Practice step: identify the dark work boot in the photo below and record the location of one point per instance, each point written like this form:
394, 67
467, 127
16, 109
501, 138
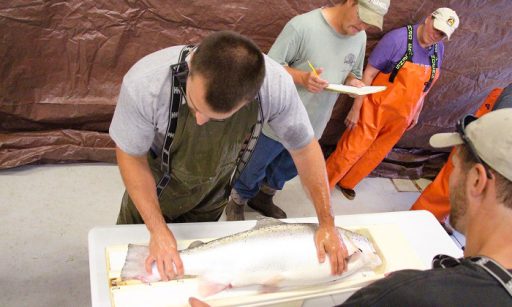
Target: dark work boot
349, 193
234, 211
263, 203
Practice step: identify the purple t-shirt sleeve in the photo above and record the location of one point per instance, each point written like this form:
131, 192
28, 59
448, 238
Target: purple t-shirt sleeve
389, 50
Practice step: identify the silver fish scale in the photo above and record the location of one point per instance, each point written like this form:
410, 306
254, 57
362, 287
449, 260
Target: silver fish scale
280, 229
269, 230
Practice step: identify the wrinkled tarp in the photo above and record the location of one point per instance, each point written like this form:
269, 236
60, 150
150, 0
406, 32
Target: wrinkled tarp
63, 63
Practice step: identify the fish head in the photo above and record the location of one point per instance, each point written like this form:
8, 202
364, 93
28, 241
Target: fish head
360, 248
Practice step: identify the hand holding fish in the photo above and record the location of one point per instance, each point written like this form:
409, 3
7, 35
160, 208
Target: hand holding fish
163, 250
328, 240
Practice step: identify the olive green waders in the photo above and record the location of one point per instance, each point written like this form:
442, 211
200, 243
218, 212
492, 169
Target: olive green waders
203, 160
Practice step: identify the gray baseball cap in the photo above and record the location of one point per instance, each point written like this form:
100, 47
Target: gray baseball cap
372, 11
491, 138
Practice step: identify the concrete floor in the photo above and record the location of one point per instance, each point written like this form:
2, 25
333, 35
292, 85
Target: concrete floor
47, 211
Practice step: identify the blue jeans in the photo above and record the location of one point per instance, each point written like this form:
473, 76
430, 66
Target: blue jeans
270, 164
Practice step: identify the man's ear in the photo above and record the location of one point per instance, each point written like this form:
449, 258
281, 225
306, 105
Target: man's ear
477, 179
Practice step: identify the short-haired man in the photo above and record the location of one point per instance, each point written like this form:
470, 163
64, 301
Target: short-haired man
435, 198
481, 208
407, 61
332, 38
180, 126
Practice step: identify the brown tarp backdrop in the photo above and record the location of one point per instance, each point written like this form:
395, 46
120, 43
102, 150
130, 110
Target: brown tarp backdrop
63, 63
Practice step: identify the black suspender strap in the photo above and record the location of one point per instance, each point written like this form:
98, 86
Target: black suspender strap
433, 68
408, 57
499, 273
248, 146
179, 73
502, 275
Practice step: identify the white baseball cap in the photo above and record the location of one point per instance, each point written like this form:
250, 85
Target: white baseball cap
490, 136
445, 20
372, 11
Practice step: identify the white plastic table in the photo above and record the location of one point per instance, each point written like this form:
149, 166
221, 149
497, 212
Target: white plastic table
420, 229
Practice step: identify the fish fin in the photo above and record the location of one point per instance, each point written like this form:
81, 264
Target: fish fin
207, 288
196, 244
134, 264
268, 289
267, 221
272, 284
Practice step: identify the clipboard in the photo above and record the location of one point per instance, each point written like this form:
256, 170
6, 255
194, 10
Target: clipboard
346, 89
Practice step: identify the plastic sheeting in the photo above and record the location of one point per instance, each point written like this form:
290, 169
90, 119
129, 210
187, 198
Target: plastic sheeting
63, 62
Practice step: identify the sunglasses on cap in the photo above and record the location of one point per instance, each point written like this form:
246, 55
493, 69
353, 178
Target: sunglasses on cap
461, 129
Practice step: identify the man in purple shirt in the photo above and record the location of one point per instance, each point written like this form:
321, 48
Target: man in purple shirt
390, 51
407, 62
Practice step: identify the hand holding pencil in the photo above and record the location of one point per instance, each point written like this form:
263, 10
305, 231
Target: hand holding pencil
312, 80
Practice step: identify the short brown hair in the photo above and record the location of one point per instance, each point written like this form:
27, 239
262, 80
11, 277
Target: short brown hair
503, 185
233, 68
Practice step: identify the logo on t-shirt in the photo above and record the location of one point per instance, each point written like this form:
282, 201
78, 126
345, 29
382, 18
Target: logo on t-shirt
350, 59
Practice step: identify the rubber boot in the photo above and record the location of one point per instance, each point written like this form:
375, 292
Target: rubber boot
349, 193
234, 211
263, 203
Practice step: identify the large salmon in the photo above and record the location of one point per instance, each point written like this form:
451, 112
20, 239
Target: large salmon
272, 254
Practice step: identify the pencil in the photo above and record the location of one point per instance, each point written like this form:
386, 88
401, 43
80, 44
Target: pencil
313, 69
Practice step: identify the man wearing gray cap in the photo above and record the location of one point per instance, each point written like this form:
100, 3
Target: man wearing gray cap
326, 45
481, 208
436, 197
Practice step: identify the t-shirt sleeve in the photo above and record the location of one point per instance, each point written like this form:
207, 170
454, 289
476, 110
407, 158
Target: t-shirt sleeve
440, 55
285, 49
357, 70
382, 57
283, 110
132, 128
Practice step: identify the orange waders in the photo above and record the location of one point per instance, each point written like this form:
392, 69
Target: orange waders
384, 118
435, 198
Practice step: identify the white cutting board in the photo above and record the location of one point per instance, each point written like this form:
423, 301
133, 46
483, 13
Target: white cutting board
390, 243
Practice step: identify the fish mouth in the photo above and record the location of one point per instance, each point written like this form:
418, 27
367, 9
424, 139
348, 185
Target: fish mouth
357, 252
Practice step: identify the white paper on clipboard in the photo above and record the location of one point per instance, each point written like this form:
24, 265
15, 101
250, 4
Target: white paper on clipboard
346, 89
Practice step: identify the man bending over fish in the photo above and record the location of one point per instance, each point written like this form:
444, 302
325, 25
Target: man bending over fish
187, 119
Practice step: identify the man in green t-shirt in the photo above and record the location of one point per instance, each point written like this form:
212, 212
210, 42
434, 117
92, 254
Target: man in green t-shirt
333, 39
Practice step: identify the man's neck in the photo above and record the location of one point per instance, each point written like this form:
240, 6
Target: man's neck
334, 16
490, 236
419, 35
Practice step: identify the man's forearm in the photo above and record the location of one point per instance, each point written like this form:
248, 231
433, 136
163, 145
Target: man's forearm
140, 185
358, 103
349, 78
368, 76
311, 168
